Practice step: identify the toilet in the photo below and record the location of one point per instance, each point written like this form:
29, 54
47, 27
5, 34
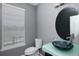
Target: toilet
34, 51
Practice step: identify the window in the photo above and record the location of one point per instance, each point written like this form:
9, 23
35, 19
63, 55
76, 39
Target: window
13, 27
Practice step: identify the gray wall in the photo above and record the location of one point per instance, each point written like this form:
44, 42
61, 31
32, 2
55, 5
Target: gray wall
0, 25
30, 33
45, 24
46, 17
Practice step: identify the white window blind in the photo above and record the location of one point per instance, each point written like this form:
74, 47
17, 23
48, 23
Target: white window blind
13, 26
74, 25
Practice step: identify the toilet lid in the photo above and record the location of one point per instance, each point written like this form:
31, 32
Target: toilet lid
30, 50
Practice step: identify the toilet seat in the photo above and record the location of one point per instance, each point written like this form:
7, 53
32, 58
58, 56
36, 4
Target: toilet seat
30, 50
33, 51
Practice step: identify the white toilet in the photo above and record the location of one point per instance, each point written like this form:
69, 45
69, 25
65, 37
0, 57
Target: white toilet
34, 51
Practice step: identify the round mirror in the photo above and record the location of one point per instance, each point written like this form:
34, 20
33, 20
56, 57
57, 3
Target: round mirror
63, 22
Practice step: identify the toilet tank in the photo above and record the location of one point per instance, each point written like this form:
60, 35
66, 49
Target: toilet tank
38, 43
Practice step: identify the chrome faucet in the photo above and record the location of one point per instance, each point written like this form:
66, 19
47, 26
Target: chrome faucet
71, 37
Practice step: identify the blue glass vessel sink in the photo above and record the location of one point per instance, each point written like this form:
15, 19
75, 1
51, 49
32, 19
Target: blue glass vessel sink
63, 45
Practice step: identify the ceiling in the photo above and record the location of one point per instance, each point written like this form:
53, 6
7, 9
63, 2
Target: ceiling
34, 4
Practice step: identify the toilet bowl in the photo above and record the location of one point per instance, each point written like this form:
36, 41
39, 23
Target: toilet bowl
32, 51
